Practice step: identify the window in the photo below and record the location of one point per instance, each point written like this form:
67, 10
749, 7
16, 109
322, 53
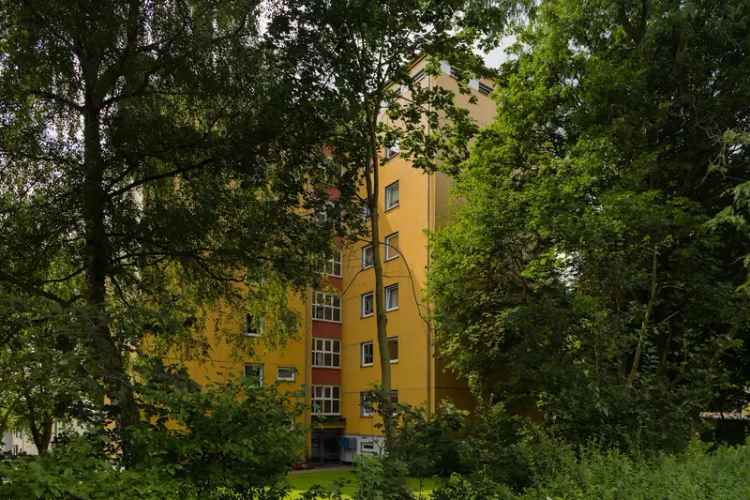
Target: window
332, 265
391, 297
391, 195
326, 353
392, 150
252, 326
393, 349
366, 353
365, 404
326, 400
368, 304
286, 373
391, 246
255, 373
368, 257
368, 399
484, 89
326, 306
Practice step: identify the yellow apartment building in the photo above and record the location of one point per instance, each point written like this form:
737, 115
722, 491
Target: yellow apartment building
333, 360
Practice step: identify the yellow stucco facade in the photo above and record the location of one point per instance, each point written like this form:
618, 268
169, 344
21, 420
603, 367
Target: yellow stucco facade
419, 379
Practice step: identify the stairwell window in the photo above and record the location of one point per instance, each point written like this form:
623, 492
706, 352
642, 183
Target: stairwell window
391, 246
326, 307
368, 257
391, 196
391, 297
326, 353
332, 265
367, 307
366, 353
326, 400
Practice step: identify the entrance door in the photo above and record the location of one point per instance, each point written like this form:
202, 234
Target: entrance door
325, 446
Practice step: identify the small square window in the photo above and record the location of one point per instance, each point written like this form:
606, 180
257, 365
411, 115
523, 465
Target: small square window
366, 353
391, 246
393, 349
391, 297
368, 304
484, 88
286, 373
368, 257
391, 196
392, 150
255, 373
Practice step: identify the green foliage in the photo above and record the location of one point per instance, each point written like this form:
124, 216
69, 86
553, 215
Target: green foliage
582, 277
472, 487
594, 474
381, 478
162, 151
235, 441
237, 436
78, 470
429, 444
695, 474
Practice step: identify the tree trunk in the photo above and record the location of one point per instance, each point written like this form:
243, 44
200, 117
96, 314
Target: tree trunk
372, 182
111, 365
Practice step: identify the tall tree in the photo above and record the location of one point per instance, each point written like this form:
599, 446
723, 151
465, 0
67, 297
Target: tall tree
361, 53
582, 274
148, 144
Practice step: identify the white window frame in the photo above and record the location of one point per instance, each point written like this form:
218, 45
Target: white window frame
332, 265
293, 371
392, 151
388, 293
319, 395
260, 371
364, 263
250, 319
362, 303
330, 302
389, 253
398, 348
362, 361
388, 200
322, 347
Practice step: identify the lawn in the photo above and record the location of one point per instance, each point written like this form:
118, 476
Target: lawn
302, 481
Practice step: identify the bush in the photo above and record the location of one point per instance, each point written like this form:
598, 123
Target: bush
596, 474
78, 470
430, 444
234, 441
381, 478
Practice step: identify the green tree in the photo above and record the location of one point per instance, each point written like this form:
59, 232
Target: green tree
360, 52
165, 151
581, 275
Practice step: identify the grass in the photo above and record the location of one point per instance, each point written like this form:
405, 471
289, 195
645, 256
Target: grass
302, 481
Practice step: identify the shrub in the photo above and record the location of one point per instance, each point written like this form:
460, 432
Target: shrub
381, 478
695, 474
